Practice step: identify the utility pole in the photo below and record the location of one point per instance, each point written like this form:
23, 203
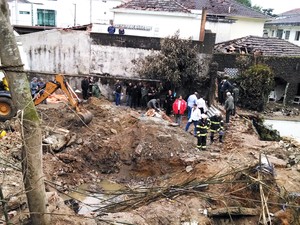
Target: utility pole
75, 11
202, 27
91, 8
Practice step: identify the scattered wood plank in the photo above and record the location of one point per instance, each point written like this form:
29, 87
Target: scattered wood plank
234, 211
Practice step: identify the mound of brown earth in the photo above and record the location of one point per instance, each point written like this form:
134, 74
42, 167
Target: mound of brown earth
165, 179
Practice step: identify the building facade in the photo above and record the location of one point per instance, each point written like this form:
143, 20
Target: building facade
61, 13
286, 26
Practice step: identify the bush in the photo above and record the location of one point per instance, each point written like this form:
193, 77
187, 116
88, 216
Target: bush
256, 84
177, 63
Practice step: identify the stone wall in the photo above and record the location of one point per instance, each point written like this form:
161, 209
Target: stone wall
284, 68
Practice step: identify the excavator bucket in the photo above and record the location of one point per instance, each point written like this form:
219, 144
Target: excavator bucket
85, 116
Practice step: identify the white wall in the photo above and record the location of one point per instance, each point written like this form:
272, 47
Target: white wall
115, 60
245, 27
222, 30
240, 28
68, 12
57, 51
153, 24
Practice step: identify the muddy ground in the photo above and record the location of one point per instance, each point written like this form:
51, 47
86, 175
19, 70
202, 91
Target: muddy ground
164, 179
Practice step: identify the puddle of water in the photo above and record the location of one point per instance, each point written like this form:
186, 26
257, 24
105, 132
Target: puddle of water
89, 202
286, 128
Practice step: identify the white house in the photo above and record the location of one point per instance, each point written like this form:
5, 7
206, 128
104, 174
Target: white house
61, 13
286, 26
227, 18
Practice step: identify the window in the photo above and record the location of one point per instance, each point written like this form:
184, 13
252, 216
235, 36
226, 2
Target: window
287, 35
279, 34
24, 12
297, 36
46, 17
272, 33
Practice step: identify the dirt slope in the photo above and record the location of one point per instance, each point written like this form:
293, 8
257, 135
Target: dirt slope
136, 151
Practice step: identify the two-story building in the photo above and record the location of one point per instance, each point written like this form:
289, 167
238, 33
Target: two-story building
227, 18
286, 26
61, 13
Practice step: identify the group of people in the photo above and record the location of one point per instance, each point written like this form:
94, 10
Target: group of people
112, 29
141, 95
157, 97
90, 88
203, 125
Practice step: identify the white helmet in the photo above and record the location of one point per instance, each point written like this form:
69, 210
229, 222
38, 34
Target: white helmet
204, 116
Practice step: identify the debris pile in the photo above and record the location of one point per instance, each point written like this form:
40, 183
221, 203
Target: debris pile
165, 179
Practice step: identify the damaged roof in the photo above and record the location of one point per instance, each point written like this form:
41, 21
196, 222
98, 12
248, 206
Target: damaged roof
155, 5
214, 7
19, 1
291, 17
267, 46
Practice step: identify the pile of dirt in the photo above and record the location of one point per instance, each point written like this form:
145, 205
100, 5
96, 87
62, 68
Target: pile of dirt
167, 180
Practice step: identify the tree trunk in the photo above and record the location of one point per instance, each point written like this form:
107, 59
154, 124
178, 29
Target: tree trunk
31, 131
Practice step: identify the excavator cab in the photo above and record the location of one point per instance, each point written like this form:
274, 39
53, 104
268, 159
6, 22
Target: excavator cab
7, 109
84, 116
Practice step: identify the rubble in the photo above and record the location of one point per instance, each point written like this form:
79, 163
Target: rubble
165, 178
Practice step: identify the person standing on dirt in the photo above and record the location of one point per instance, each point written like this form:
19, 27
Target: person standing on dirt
179, 107
41, 87
143, 92
85, 87
235, 93
229, 106
202, 131
169, 102
134, 96
152, 93
202, 105
216, 126
225, 86
118, 92
194, 118
34, 87
191, 101
140, 102
129, 94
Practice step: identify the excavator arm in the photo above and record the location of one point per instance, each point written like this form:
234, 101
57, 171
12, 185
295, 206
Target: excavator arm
60, 83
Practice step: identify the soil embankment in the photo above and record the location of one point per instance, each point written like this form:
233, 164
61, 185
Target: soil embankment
165, 179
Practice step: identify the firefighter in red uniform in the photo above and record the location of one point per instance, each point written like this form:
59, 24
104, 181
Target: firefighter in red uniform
202, 131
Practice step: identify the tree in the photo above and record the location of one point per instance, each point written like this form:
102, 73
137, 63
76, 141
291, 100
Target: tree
245, 2
176, 63
255, 86
31, 131
268, 12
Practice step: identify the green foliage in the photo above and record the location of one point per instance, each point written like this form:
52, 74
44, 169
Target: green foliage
177, 63
255, 86
245, 2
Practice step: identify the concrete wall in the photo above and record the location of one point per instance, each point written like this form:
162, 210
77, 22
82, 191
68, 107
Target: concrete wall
80, 53
285, 68
57, 51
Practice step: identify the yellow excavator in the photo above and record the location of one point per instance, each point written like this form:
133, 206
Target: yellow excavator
7, 110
